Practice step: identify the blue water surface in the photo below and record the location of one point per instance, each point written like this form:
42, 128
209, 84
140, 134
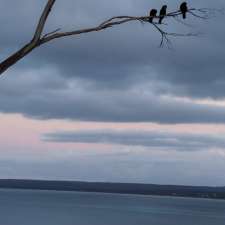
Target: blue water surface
25, 207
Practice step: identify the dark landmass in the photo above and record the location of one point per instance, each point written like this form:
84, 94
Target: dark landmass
121, 188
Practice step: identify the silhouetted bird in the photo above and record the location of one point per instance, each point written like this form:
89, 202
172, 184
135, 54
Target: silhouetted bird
162, 13
184, 9
152, 14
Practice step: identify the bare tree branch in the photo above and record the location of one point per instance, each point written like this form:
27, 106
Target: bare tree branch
43, 19
40, 39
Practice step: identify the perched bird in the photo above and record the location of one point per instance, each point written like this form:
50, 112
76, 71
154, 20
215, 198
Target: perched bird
162, 13
152, 14
184, 9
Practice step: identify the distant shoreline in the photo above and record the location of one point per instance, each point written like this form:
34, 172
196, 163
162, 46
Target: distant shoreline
116, 188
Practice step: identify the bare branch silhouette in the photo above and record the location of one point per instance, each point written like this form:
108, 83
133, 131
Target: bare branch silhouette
43, 20
39, 38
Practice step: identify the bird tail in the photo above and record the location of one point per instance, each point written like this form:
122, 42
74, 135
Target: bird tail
150, 19
184, 15
160, 20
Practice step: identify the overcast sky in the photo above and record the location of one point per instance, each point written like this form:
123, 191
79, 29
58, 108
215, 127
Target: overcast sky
112, 105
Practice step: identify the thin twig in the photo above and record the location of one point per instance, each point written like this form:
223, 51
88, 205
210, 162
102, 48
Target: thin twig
50, 33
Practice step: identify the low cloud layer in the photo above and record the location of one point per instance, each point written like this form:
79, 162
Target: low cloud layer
161, 140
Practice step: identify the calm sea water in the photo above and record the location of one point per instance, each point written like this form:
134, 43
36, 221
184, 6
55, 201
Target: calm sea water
21, 207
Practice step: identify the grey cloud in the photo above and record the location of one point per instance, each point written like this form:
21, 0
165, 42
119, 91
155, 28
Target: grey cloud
52, 97
153, 139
